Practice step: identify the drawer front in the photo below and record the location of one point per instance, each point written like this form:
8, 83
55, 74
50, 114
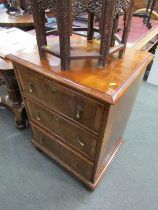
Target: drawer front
64, 154
76, 137
78, 107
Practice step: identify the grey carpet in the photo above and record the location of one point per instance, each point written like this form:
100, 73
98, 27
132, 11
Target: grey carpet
31, 181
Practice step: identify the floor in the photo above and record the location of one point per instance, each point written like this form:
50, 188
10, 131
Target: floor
31, 181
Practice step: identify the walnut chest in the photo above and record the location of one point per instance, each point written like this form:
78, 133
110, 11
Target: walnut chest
78, 117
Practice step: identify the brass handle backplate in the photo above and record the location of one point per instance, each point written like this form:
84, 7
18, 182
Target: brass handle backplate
52, 88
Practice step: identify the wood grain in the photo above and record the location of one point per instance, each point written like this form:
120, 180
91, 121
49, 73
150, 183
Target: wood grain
118, 73
105, 97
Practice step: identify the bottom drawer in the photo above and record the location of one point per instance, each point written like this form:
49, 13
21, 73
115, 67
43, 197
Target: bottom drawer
64, 154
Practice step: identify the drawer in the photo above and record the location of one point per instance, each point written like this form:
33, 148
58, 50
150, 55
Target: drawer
77, 107
73, 135
63, 154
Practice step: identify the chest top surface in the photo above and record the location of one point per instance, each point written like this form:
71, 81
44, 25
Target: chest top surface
107, 84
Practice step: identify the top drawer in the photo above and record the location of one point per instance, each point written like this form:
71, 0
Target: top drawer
78, 107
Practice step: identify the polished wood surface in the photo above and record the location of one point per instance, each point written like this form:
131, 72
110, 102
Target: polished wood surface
116, 123
52, 94
74, 135
78, 117
84, 74
7, 20
64, 153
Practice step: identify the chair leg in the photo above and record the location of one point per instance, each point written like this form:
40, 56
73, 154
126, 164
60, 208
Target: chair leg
147, 9
127, 24
39, 23
106, 30
64, 20
115, 27
148, 24
90, 33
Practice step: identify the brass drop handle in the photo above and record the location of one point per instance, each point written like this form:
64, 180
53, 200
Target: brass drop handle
79, 110
38, 116
30, 87
79, 140
52, 88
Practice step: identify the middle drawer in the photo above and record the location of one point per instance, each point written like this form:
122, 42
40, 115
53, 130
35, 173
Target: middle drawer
65, 130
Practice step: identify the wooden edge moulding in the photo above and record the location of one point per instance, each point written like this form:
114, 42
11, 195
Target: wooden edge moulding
107, 11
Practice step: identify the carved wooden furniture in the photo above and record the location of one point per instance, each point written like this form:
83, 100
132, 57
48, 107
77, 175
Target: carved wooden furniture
78, 117
13, 100
65, 10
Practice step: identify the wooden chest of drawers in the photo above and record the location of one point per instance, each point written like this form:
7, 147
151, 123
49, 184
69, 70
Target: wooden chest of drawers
78, 117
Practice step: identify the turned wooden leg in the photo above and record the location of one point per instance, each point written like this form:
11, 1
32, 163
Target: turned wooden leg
13, 99
21, 118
